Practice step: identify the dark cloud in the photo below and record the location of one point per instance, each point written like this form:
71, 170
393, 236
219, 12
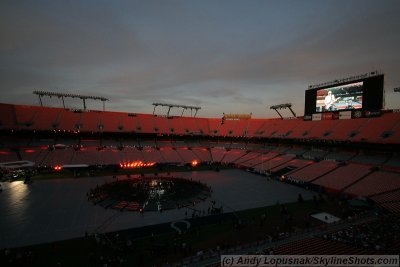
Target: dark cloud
227, 56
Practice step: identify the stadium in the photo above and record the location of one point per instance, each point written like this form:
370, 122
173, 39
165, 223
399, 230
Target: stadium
327, 182
199, 133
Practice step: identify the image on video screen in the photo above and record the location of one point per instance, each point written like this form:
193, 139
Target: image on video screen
348, 96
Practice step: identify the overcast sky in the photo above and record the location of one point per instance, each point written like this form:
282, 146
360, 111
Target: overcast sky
225, 56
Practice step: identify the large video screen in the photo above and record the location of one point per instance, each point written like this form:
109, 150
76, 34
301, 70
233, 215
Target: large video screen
343, 97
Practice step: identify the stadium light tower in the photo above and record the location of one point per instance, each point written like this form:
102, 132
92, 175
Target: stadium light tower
40, 94
183, 107
283, 106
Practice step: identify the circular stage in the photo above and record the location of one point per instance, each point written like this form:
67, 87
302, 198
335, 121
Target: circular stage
149, 193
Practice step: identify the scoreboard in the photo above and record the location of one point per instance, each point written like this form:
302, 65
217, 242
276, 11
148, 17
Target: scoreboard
361, 95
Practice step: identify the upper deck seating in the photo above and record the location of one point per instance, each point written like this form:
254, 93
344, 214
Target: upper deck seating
375, 128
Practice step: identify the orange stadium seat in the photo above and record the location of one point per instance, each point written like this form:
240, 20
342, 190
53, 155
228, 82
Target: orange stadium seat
187, 155
152, 155
189, 125
47, 118
170, 155
303, 129
313, 171
7, 120
256, 161
218, 153
233, 155
58, 157
294, 163
70, 120
274, 162
375, 183
345, 128
202, 153
254, 126
128, 122
112, 121
384, 129
248, 155
214, 125
322, 129
163, 125
287, 127
343, 176
86, 155
375, 128
202, 126
145, 123
91, 121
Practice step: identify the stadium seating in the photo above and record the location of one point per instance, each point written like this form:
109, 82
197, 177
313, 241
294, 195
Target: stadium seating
393, 136
384, 129
69, 120
187, 155
86, 155
313, 171
132, 154
167, 126
203, 126
302, 130
58, 157
374, 128
202, 153
7, 120
189, 125
253, 162
128, 122
217, 154
110, 156
170, 155
375, 183
355, 178
111, 122
393, 196
275, 162
344, 129
249, 155
286, 128
343, 176
254, 126
34, 154
322, 128
145, 124
233, 155
294, 163
8, 155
